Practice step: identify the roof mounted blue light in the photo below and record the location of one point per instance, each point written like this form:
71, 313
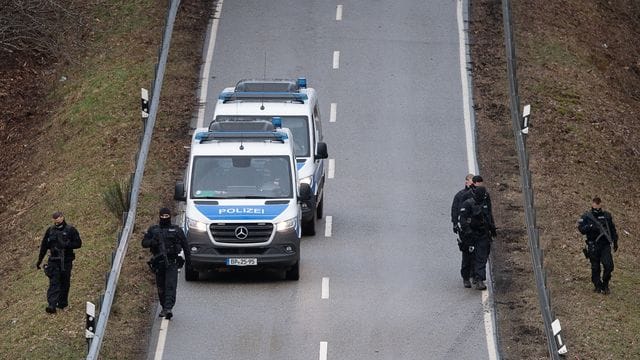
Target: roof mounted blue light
267, 96
302, 82
241, 135
276, 121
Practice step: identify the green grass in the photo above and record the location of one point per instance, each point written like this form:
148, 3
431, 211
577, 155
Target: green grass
88, 143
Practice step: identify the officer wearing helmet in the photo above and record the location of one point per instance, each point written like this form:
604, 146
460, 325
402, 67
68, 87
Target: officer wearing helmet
476, 224
165, 241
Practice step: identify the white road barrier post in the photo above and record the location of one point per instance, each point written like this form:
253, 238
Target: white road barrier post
526, 114
145, 102
90, 326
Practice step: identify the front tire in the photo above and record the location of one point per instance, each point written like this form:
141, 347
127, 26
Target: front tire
293, 274
320, 209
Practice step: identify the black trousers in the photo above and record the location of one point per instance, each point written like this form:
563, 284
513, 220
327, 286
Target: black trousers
59, 283
167, 284
467, 267
603, 256
482, 249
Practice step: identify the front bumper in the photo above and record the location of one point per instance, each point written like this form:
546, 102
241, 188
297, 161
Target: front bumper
207, 256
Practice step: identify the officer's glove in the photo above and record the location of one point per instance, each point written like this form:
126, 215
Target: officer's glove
38, 266
456, 228
615, 247
460, 244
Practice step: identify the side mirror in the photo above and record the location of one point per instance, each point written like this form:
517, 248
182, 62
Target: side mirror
179, 193
304, 192
321, 151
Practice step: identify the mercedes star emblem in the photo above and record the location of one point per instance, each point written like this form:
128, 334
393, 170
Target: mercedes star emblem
242, 232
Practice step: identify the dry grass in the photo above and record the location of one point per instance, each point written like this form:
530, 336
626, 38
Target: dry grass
87, 143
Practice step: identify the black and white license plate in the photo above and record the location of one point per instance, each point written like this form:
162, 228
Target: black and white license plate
242, 261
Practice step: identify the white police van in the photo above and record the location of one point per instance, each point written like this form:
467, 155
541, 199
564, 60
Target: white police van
243, 202
297, 106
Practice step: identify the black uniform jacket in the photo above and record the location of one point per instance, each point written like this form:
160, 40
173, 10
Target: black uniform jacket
60, 242
174, 240
588, 227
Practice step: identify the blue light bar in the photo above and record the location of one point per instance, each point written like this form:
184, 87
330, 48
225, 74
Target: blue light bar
234, 95
302, 82
276, 121
241, 135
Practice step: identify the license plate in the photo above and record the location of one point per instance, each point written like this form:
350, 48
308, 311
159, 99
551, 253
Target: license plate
242, 261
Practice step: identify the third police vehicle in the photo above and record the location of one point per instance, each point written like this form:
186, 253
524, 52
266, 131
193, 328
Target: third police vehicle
243, 202
297, 106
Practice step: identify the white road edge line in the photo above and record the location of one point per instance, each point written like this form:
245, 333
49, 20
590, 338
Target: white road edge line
328, 226
325, 287
336, 59
332, 167
162, 337
323, 350
333, 112
338, 12
472, 164
206, 67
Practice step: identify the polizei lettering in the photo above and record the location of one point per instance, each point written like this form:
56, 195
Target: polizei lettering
241, 211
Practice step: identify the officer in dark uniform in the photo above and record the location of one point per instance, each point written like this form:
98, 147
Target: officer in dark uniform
165, 242
476, 224
601, 233
466, 269
60, 239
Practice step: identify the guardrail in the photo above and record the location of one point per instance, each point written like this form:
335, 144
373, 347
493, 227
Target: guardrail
520, 123
117, 258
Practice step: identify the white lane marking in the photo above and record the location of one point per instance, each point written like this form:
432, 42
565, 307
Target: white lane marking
332, 167
338, 12
206, 70
489, 326
471, 151
336, 59
323, 350
333, 112
162, 337
325, 287
327, 226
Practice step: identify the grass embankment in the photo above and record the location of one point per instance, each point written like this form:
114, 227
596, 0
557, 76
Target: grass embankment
578, 68
87, 143
582, 76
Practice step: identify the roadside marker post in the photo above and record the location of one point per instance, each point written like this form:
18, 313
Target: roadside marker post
90, 322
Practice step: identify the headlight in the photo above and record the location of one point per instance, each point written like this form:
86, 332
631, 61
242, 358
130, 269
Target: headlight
306, 180
196, 225
287, 224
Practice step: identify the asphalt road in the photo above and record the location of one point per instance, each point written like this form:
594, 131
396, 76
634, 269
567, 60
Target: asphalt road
381, 279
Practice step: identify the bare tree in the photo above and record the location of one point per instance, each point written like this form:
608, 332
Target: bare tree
42, 27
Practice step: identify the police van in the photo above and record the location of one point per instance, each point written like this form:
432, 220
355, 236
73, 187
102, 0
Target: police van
297, 106
242, 198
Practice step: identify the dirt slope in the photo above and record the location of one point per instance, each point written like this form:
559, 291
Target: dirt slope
579, 68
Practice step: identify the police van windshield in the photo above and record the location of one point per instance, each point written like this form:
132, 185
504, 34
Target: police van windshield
248, 177
299, 126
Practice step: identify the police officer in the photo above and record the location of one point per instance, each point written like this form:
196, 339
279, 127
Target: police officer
60, 239
466, 269
476, 224
165, 242
601, 233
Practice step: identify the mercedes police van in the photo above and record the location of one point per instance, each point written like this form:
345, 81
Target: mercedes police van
243, 201
297, 106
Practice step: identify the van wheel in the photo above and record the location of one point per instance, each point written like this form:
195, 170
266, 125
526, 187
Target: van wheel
293, 273
320, 208
309, 227
191, 274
